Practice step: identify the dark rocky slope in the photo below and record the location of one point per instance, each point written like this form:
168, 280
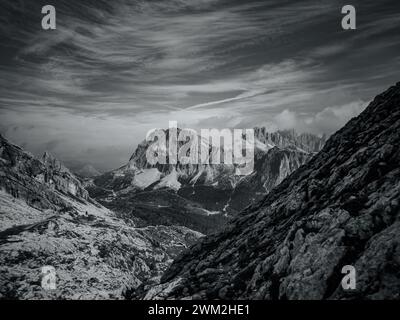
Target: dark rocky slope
341, 208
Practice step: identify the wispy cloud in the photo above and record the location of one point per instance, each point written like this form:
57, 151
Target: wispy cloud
137, 64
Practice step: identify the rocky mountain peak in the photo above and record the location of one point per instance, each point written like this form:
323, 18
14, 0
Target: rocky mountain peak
265, 140
88, 171
215, 188
53, 163
340, 209
290, 138
25, 176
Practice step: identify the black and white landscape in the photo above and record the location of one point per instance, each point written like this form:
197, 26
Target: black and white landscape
78, 194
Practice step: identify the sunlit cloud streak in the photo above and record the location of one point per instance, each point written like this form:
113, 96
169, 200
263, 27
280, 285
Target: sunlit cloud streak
135, 65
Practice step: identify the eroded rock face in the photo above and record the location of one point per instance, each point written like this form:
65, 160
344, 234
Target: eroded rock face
201, 197
95, 254
305, 141
276, 155
38, 182
341, 208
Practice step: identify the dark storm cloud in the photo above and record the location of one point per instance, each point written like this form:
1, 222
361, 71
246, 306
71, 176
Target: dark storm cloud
114, 69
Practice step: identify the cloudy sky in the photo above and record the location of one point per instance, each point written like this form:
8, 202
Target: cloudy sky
90, 90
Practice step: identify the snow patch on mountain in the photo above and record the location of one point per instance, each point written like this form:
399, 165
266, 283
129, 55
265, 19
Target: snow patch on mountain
265, 147
170, 181
146, 178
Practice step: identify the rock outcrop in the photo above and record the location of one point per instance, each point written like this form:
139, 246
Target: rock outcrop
48, 219
138, 174
201, 189
87, 171
34, 180
341, 208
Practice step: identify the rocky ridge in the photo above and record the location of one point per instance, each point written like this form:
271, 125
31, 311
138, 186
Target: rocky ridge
341, 208
48, 219
196, 192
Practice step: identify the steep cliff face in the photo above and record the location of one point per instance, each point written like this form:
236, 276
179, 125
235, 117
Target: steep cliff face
47, 219
341, 208
138, 174
282, 139
33, 180
271, 169
213, 188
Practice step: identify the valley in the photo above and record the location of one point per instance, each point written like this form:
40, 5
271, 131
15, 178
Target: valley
198, 232
115, 234
171, 193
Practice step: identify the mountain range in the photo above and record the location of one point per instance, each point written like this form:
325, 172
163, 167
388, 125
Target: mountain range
310, 208
341, 209
49, 218
210, 194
